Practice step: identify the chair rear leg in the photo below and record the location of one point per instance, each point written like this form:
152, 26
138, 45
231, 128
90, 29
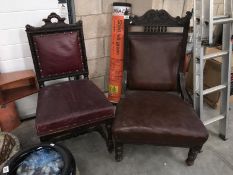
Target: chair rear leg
192, 155
118, 151
42, 139
45, 139
101, 131
110, 144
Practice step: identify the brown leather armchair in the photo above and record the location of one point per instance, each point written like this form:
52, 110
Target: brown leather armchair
71, 107
156, 108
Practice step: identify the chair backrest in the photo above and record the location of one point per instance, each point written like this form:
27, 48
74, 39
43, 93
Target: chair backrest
155, 46
58, 49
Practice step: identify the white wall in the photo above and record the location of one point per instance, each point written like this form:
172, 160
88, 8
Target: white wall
14, 49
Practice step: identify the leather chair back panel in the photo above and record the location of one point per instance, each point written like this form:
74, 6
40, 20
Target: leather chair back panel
58, 53
154, 61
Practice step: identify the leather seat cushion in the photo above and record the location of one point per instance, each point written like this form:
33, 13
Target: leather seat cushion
161, 118
69, 105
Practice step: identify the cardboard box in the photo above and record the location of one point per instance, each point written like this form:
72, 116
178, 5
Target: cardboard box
212, 77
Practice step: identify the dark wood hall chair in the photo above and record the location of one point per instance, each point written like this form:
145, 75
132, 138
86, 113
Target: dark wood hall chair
156, 108
71, 107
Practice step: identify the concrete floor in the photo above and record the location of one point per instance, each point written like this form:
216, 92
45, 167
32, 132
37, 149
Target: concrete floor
92, 157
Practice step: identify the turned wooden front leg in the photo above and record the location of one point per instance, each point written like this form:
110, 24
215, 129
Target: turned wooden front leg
109, 137
192, 155
118, 151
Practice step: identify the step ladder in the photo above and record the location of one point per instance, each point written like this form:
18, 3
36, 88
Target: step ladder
204, 22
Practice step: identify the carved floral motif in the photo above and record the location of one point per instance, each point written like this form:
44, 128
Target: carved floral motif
160, 17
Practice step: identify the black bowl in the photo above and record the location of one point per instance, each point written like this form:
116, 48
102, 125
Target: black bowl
69, 166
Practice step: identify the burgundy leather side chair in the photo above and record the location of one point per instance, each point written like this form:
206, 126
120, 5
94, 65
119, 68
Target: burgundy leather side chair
156, 108
71, 107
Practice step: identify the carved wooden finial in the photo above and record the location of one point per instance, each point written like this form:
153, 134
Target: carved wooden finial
53, 15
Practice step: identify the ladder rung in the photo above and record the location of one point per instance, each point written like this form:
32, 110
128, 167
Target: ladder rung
220, 17
215, 55
213, 89
222, 20
207, 122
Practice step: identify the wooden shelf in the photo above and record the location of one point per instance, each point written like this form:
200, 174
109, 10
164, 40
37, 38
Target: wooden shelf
16, 85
